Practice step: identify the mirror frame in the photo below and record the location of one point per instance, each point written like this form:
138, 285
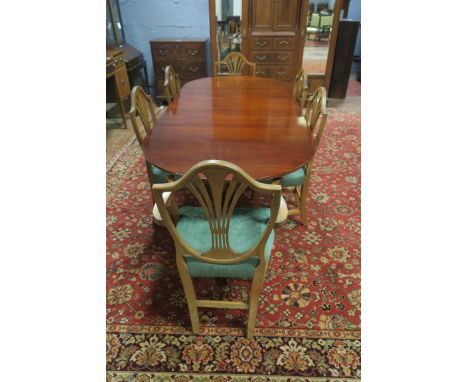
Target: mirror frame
213, 29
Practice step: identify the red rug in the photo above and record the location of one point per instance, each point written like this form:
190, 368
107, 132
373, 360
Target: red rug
308, 322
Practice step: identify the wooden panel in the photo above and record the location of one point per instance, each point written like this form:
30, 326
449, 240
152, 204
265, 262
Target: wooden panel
262, 14
262, 43
283, 43
285, 15
315, 81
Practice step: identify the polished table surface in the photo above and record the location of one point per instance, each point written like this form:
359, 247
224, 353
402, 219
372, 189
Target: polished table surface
249, 121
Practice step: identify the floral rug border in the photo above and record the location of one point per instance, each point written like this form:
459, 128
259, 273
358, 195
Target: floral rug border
222, 331
126, 376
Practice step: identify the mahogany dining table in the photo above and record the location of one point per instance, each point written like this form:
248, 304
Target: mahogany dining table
249, 121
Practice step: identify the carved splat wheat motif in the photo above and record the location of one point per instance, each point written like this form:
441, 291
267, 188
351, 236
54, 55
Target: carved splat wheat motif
235, 63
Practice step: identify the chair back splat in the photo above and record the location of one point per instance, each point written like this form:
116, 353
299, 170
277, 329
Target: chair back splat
143, 109
217, 186
235, 62
171, 84
317, 109
300, 88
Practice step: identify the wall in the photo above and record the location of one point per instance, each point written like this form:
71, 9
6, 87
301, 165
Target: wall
145, 20
354, 13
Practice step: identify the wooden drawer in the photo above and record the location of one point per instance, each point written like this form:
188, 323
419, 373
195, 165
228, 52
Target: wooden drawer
283, 73
263, 71
284, 58
195, 69
283, 42
263, 57
189, 50
262, 43
122, 83
278, 57
159, 67
162, 51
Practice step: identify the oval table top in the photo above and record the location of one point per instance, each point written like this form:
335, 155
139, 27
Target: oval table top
249, 121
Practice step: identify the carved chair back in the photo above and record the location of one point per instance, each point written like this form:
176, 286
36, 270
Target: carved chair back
143, 109
171, 84
235, 62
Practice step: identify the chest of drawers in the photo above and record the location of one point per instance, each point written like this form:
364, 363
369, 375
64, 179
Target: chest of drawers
187, 57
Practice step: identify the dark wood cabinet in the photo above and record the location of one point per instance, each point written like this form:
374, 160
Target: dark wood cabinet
187, 57
343, 61
273, 37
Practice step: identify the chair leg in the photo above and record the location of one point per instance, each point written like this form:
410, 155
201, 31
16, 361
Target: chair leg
190, 293
302, 205
257, 283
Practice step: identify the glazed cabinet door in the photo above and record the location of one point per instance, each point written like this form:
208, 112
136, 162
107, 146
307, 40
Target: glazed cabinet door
263, 14
285, 15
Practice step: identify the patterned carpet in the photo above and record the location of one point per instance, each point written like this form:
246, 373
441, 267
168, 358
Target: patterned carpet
308, 323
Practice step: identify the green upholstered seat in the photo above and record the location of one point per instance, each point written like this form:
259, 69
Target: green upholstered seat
295, 178
246, 228
160, 176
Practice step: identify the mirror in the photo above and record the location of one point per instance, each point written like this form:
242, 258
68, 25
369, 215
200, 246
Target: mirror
318, 35
228, 27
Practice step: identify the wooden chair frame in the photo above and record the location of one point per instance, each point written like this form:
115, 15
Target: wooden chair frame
171, 84
142, 109
226, 183
300, 88
235, 63
316, 109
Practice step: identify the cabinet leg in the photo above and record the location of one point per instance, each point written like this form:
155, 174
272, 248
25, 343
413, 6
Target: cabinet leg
122, 112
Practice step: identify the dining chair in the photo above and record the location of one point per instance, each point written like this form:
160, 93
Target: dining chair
216, 239
235, 63
171, 84
300, 88
142, 112
298, 181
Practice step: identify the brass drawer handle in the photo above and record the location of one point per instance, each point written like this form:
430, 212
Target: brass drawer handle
281, 73
261, 58
163, 52
282, 58
284, 42
194, 69
260, 72
192, 52
261, 43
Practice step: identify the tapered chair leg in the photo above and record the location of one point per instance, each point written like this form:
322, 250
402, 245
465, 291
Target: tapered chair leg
255, 290
190, 294
302, 206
